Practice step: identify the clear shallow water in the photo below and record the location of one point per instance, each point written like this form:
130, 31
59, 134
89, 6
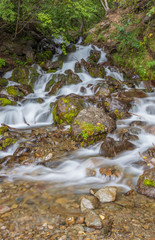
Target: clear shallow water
73, 170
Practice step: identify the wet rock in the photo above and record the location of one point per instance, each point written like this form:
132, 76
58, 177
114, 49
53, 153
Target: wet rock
110, 147
118, 107
95, 70
66, 109
25, 89
107, 194
25, 75
138, 123
92, 220
91, 124
94, 56
151, 130
133, 93
71, 48
112, 171
83, 89
14, 91
21, 151
88, 202
146, 183
103, 92
60, 80
90, 172
3, 82
49, 65
78, 67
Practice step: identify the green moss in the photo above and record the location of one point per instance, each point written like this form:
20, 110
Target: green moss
70, 113
3, 129
51, 71
12, 91
20, 75
148, 182
88, 130
6, 142
5, 102
3, 82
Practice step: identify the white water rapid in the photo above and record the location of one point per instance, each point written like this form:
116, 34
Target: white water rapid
29, 113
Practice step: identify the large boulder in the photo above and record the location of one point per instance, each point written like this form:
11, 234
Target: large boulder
49, 65
66, 109
94, 56
25, 75
95, 70
146, 183
110, 147
91, 124
60, 80
117, 107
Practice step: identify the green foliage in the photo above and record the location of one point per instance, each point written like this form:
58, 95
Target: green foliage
151, 11
2, 62
127, 38
51, 16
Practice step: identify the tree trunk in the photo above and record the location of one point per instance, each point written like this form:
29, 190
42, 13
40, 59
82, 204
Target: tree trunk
105, 5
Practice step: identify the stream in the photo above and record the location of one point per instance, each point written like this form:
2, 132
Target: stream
30, 114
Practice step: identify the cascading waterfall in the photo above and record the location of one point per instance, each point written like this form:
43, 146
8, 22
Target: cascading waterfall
29, 113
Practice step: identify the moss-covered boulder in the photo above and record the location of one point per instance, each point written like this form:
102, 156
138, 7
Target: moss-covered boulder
117, 107
95, 70
146, 183
60, 80
3, 129
3, 82
94, 56
66, 109
25, 75
49, 65
5, 101
13, 91
91, 125
6, 142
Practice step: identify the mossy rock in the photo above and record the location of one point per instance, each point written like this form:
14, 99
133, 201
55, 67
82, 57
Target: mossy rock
66, 109
91, 125
3, 82
25, 75
146, 183
42, 57
4, 102
6, 142
14, 91
95, 70
94, 56
60, 80
3, 130
20, 75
